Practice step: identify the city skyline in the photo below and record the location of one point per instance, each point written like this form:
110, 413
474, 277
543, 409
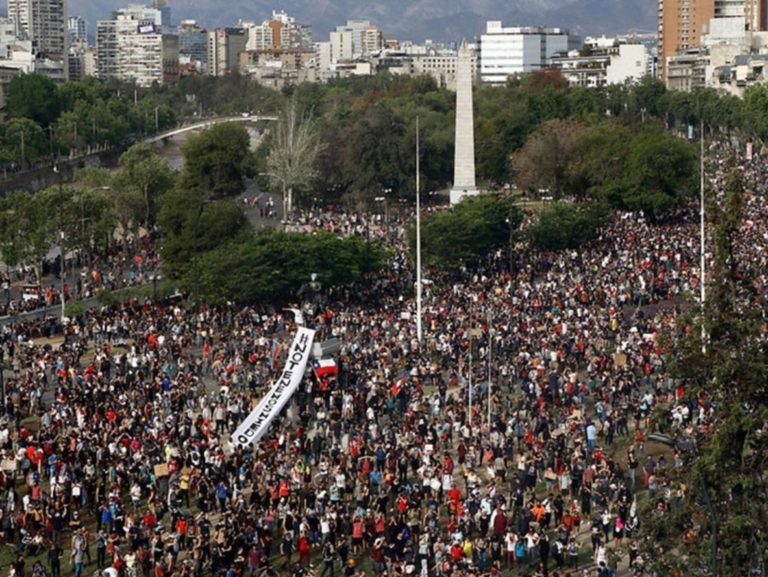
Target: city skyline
415, 20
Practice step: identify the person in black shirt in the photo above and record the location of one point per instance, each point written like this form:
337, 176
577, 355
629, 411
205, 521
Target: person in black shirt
54, 559
329, 556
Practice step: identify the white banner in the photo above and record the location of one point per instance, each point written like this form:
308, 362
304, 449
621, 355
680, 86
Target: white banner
257, 423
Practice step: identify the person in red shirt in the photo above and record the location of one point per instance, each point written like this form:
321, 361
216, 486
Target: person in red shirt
402, 503
303, 547
181, 529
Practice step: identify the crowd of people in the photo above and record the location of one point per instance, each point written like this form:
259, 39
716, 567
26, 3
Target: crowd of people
29, 288
489, 448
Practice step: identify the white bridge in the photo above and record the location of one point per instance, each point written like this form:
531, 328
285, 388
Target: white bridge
202, 125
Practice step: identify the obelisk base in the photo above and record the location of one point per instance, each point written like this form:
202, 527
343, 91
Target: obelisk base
459, 194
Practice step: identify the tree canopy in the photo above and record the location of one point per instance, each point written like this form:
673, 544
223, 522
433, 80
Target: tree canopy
723, 505
566, 225
216, 161
461, 235
273, 266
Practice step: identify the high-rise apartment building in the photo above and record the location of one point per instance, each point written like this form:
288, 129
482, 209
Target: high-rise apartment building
133, 47
756, 14
279, 32
224, 48
753, 11
682, 23
366, 38
44, 23
77, 29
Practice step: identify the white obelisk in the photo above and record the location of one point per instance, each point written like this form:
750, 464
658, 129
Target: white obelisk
464, 154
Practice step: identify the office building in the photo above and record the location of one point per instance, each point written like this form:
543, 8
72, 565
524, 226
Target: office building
193, 45
505, 52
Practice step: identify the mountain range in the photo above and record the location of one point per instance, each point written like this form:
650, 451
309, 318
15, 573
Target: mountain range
417, 20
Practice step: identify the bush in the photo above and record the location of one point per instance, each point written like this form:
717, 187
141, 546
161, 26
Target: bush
106, 298
566, 225
74, 309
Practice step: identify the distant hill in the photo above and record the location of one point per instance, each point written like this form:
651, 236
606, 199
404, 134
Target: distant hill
440, 20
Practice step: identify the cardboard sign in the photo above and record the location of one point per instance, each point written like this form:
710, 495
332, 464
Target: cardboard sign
161, 470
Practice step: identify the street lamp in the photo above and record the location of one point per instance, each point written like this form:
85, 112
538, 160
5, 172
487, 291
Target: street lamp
63, 278
154, 278
315, 287
63, 272
383, 199
203, 203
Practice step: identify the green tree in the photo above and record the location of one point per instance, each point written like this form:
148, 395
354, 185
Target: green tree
599, 158
755, 108
273, 266
461, 235
142, 170
33, 96
661, 173
724, 470
565, 225
34, 222
193, 224
216, 161
24, 141
125, 201
14, 245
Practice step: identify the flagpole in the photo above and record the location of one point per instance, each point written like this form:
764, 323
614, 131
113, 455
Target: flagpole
469, 377
419, 332
703, 238
490, 353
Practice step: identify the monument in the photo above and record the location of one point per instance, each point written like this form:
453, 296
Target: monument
464, 153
